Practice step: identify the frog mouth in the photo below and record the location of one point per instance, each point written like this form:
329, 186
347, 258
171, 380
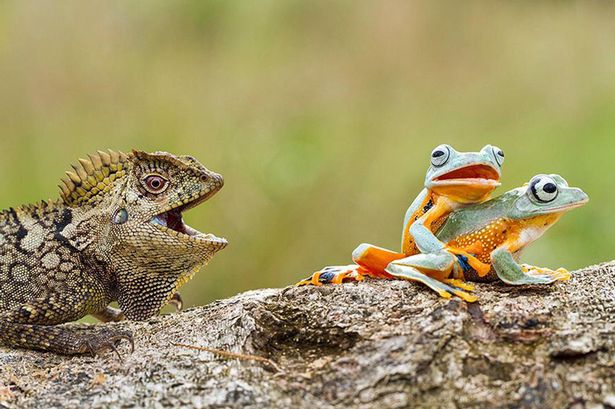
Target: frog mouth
470, 175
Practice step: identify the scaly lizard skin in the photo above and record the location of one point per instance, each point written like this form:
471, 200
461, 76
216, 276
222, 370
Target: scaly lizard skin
116, 234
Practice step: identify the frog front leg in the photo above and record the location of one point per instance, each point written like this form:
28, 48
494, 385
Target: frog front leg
509, 271
431, 270
424, 239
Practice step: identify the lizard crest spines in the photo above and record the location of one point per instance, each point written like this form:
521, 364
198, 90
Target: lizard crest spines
182, 162
91, 176
38, 209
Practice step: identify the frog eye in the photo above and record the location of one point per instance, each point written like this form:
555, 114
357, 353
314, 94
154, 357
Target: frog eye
543, 188
440, 155
499, 155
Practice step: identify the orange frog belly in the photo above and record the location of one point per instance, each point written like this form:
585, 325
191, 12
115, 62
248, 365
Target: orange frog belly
409, 245
481, 243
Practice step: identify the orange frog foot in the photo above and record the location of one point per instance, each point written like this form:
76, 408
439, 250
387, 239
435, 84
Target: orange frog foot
335, 275
481, 268
561, 274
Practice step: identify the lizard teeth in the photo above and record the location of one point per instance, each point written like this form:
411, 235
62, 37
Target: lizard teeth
159, 221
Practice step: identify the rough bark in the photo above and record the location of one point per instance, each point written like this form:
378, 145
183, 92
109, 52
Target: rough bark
376, 344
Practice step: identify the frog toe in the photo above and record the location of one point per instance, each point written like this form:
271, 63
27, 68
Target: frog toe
546, 274
333, 275
459, 284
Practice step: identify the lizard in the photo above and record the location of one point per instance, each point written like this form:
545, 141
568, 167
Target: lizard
115, 234
495, 232
453, 180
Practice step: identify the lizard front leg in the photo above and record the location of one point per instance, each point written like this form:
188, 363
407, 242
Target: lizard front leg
35, 326
177, 302
110, 314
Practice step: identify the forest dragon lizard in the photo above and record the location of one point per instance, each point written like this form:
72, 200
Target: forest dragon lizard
116, 234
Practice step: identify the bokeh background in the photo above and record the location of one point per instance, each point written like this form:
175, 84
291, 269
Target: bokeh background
321, 115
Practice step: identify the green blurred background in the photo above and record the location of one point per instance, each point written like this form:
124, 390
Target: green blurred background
321, 115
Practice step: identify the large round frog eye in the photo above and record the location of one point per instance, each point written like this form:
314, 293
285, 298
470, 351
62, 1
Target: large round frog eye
499, 155
440, 155
155, 184
543, 188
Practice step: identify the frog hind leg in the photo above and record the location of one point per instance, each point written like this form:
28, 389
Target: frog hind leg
370, 261
374, 258
416, 268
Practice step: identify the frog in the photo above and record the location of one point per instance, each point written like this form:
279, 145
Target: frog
495, 232
453, 180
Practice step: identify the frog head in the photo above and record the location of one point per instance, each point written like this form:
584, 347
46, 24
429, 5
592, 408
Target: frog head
546, 195
465, 177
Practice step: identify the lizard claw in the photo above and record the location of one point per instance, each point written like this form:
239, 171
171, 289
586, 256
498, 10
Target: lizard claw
105, 340
177, 302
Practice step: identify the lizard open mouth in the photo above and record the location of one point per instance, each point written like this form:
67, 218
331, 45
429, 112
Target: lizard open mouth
474, 174
173, 223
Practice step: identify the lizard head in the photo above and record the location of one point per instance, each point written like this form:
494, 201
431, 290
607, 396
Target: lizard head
160, 187
128, 214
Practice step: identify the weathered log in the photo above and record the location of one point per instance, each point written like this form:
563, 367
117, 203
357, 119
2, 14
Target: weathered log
375, 344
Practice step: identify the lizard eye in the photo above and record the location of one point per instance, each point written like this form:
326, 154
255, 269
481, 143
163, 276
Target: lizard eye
499, 155
440, 155
544, 189
155, 184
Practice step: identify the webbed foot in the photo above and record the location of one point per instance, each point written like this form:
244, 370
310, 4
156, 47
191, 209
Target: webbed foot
467, 260
561, 274
335, 275
459, 284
